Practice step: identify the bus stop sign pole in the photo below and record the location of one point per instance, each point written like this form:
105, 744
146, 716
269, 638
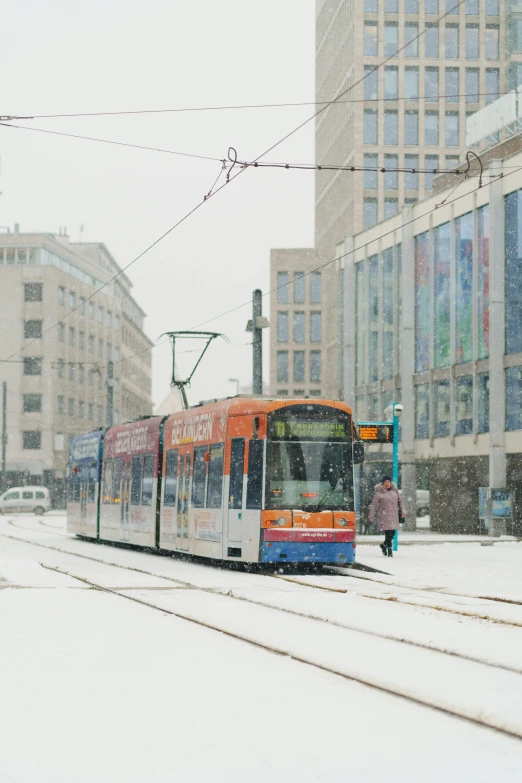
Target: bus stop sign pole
395, 468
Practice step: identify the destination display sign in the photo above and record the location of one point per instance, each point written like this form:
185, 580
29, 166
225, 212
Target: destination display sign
309, 429
376, 433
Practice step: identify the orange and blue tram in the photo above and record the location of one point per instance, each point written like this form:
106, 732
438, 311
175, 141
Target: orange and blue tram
253, 480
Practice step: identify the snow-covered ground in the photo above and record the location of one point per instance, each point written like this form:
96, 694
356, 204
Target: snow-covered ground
95, 687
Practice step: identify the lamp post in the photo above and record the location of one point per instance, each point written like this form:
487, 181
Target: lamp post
394, 411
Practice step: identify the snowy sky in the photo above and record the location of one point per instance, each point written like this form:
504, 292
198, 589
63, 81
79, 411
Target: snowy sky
116, 55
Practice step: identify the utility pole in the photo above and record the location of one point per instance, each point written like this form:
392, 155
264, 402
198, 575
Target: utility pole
4, 429
257, 343
110, 393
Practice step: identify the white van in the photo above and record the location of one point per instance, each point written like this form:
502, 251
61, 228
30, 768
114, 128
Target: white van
25, 499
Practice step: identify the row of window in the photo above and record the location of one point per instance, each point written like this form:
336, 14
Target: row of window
142, 480
75, 371
283, 326
410, 178
407, 86
299, 287
83, 410
432, 135
298, 373
430, 39
17, 255
299, 393
83, 344
471, 7
104, 316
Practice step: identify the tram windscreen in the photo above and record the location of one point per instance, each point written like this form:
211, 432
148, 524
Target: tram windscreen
309, 460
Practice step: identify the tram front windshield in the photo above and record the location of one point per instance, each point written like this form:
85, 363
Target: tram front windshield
309, 462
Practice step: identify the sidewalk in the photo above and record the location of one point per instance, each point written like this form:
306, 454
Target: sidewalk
427, 537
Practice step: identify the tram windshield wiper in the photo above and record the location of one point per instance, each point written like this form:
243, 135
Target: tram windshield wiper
329, 492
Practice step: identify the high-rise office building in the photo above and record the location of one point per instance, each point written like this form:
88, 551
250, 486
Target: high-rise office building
439, 61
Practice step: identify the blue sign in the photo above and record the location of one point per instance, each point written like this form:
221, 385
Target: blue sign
501, 503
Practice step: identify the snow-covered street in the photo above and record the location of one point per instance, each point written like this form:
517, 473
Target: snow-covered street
410, 672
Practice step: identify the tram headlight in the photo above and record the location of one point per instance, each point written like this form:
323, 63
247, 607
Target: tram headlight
281, 521
343, 522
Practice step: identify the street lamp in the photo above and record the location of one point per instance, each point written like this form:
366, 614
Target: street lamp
236, 381
393, 412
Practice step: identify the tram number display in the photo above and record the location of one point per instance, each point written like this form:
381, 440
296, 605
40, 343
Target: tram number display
309, 429
376, 433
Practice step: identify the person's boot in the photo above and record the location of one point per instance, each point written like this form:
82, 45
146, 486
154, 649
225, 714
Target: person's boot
389, 552
383, 549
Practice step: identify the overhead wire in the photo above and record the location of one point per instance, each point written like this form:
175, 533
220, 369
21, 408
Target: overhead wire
228, 178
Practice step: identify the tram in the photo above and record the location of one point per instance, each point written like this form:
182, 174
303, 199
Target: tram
83, 486
242, 479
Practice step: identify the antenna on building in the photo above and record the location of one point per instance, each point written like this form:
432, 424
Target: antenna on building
183, 383
80, 233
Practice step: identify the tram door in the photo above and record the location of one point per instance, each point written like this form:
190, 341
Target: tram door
182, 511
235, 490
125, 498
84, 491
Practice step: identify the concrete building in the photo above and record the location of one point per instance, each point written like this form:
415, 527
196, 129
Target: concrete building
410, 113
57, 377
432, 318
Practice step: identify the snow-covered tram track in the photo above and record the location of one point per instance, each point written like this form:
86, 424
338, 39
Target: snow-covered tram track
238, 595
471, 691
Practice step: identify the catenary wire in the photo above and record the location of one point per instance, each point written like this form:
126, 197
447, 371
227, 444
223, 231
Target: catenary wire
228, 179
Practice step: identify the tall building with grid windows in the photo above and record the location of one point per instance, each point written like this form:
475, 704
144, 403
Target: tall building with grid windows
446, 61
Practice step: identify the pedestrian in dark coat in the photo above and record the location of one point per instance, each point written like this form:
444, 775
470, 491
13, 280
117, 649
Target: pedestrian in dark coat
389, 507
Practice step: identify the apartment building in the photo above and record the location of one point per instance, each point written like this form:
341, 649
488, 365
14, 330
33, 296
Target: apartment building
441, 62
57, 376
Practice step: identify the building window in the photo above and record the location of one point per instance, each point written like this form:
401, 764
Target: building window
299, 327
513, 276
81, 340
91, 311
472, 85
61, 332
70, 406
91, 343
375, 321
464, 405
81, 309
464, 288
315, 288
432, 166
32, 329
90, 411
370, 172
411, 178
100, 347
370, 126
299, 287
411, 39
315, 369
492, 84
71, 367
100, 381
282, 392
411, 83
452, 7
72, 300
442, 409
109, 319
514, 398
452, 85
422, 303
315, 327
472, 42
282, 327
371, 6
370, 212
391, 38
452, 161
60, 368
100, 315
32, 403
81, 374
282, 366
391, 207
483, 283
515, 34
32, 439
391, 128
370, 83
81, 409
360, 315
391, 6
282, 288
91, 377
431, 84
483, 401
492, 42
431, 6
452, 42
441, 237
492, 7
32, 365
411, 128
118, 323
387, 314
411, 6
299, 366
422, 411
116, 354
452, 129
72, 334
109, 351
371, 44
431, 42
60, 402
431, 129
99, 414
391, 83
472, 7
391, 175
61, 295
33, 292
